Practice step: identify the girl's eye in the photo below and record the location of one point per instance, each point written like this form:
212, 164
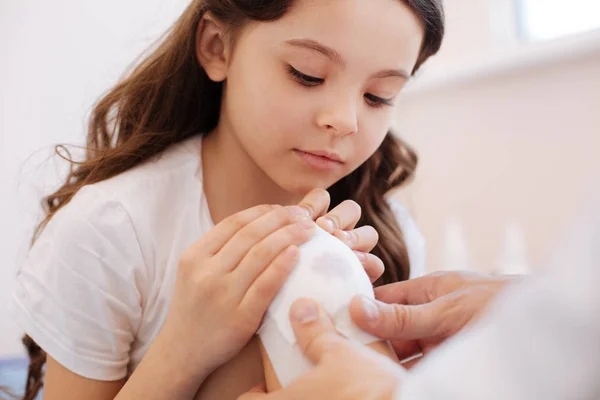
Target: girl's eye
310, 81
303, 79
375, 101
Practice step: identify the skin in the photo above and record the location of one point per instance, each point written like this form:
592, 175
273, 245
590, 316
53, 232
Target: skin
255, 156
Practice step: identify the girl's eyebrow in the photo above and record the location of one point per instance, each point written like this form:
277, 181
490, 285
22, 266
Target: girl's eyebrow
392, 73
315, 46
336, 57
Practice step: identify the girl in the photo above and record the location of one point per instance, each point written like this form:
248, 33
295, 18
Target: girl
154, 266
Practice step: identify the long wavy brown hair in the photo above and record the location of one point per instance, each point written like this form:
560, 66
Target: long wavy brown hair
168, 98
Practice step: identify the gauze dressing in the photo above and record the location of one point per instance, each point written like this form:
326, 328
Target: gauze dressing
328, 272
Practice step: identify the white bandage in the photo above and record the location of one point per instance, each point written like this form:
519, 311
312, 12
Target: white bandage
328, 272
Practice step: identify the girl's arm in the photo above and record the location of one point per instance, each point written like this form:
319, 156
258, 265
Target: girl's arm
62, 383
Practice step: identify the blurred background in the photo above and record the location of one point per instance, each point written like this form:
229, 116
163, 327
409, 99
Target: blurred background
506, 120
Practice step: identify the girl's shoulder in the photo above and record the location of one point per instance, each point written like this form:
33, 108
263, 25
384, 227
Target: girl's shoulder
102, 253
139, 209
166, 175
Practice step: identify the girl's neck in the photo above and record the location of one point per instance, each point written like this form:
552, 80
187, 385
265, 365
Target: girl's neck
232, 180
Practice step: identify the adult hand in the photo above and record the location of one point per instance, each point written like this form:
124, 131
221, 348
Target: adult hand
419, 314
343, 370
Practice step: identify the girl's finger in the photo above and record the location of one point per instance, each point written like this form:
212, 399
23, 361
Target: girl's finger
372, 264
265, 252
213, 241
232, 253
316, 203
261, 292
362, 239
345, 217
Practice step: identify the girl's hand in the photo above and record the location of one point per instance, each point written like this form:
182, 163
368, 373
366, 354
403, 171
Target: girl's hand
226, 281
341, 222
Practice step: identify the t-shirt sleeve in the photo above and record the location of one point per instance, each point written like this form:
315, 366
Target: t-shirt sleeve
415, 242
76, 294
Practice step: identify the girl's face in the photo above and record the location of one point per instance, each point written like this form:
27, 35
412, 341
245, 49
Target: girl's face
310, 97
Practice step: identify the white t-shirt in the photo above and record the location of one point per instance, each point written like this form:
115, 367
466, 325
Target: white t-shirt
95, 288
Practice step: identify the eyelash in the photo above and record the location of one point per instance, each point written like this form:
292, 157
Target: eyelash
311, 81
303, 79
375, 101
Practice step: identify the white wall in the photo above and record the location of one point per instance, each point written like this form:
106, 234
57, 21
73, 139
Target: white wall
512, 143
475, 30
57, 57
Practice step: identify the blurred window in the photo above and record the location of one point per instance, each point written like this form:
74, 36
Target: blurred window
550, 19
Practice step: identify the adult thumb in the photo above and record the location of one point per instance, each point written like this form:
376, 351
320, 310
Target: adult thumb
314, 329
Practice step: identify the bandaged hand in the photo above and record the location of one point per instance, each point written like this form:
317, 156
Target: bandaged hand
344, 370
330, 273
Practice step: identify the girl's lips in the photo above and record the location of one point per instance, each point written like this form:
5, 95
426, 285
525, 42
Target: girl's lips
320, 160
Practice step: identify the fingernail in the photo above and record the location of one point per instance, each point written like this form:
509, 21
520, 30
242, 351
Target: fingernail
307, 224
304, 311
299, 212
347, 237
362, 257
329, 224
370, 309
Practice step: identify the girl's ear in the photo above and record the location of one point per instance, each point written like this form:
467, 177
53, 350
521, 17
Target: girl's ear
212, 47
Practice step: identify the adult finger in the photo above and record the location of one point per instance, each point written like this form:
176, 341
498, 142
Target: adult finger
399, 322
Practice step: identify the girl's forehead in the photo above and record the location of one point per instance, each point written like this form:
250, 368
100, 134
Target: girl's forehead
355, 17
383, 33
